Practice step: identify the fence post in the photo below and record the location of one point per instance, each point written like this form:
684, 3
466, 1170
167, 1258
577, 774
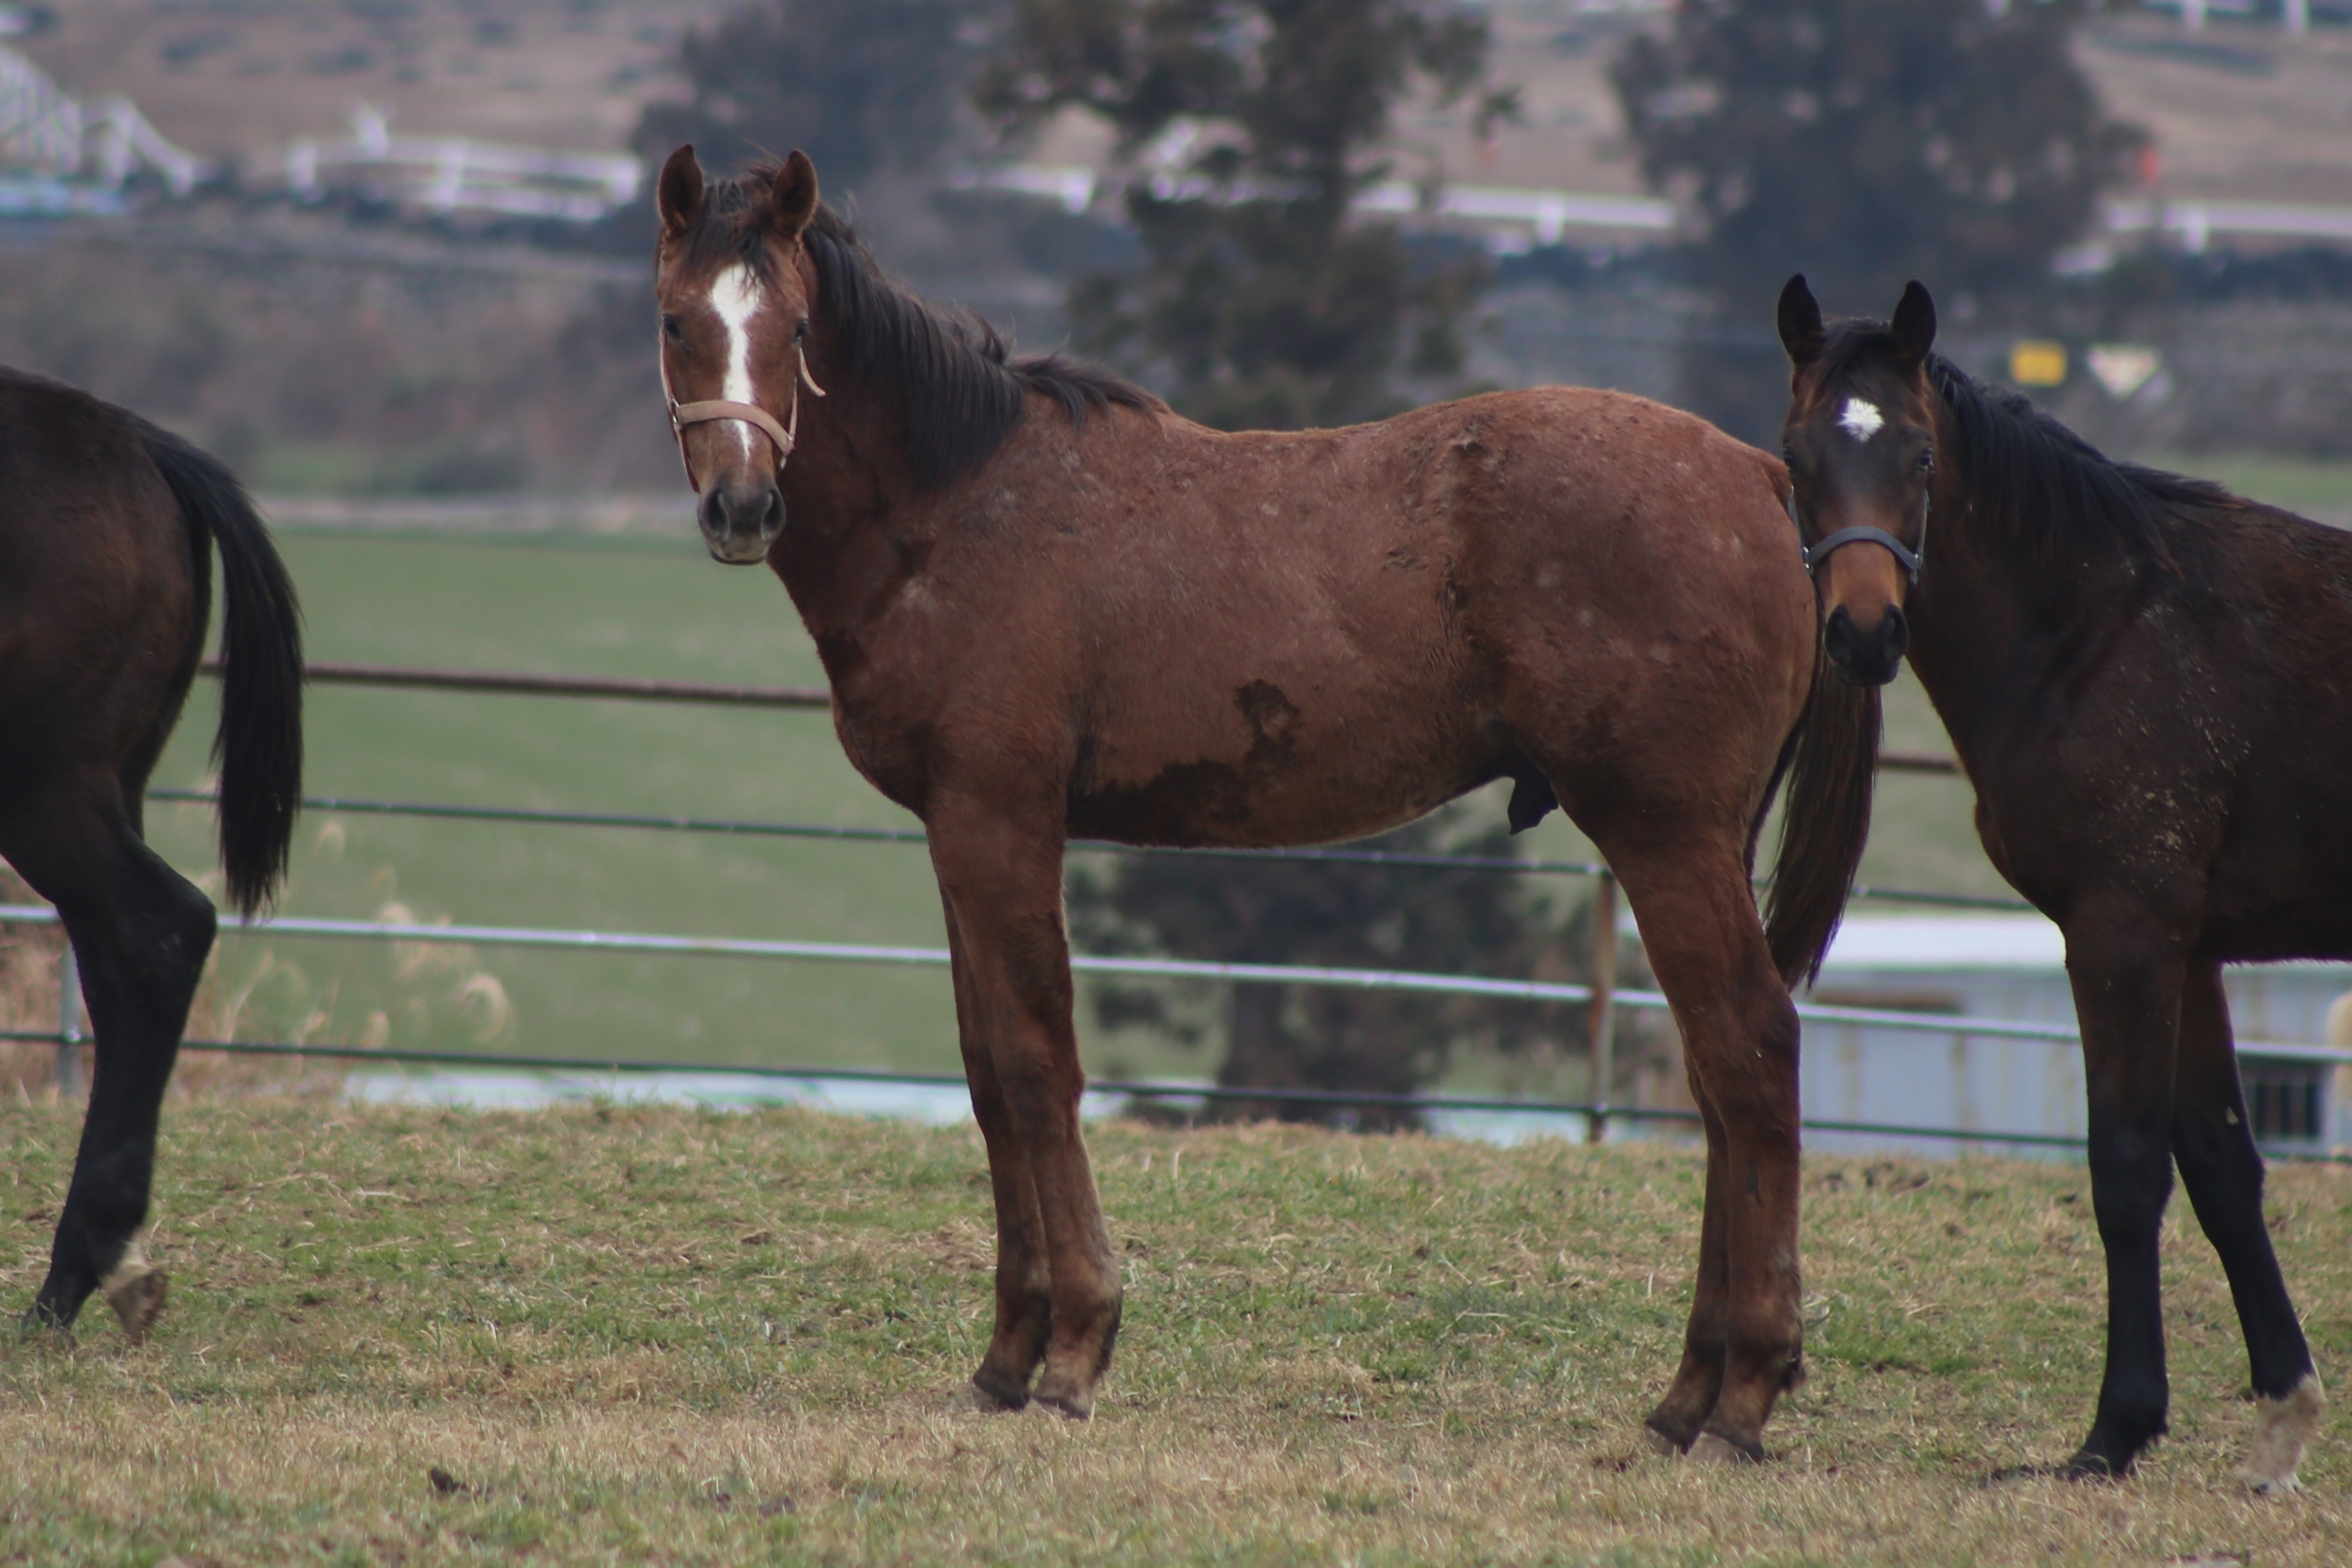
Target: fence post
69, 1029
1604, 1032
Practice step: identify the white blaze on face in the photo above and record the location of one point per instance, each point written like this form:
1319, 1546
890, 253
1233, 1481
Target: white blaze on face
735, 295
1859, 419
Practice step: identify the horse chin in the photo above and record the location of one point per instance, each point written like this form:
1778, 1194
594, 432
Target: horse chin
740, 549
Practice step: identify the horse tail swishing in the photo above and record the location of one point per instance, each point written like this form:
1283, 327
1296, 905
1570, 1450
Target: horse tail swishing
107, 530
1833, 766
258, 746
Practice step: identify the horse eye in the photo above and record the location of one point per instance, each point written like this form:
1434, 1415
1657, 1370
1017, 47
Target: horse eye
670, 328
1927, 462
801, 331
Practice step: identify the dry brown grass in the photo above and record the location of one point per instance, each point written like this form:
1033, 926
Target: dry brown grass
639, 1335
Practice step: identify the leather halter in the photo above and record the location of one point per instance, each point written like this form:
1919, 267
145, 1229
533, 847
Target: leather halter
1816, 555
783, 437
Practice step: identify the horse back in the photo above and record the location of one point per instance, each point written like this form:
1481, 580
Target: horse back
1274, 637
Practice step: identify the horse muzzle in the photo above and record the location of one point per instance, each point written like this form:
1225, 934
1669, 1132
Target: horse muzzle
740, 521
1865, 656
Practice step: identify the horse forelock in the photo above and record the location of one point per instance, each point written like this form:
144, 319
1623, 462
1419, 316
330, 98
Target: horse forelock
2041, 485
960, 392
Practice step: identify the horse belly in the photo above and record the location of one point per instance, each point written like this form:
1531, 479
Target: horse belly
1281, 761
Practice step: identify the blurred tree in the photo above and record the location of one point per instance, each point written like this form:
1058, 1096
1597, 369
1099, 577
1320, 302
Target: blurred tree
1250, 126
866, 87
1444, 919
1863, 142
1868, 141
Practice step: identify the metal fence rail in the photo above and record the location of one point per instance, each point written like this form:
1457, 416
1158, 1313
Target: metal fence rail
1507, 865
1603, 997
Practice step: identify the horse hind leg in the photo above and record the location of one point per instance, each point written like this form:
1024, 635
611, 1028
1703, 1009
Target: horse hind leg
1689, 889
2213, 1143
1674, 1424
141, 934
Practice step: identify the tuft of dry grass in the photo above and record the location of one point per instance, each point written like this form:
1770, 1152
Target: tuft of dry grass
640, 1334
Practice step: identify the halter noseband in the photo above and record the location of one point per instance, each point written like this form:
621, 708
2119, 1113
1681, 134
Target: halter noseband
1816, 555
784, 436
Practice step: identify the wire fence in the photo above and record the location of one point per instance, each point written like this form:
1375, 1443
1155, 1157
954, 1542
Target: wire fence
1604, 997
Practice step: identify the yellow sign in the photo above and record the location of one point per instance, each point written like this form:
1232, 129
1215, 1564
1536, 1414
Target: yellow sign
2036, 362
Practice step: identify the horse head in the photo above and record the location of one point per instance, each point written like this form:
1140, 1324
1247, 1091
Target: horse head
1860, 443
731, 278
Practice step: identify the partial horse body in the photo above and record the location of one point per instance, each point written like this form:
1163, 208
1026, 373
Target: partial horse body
107, 530
1048, 606
2150, 683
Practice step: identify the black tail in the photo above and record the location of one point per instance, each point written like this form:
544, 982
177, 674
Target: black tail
259, 747
1827, 823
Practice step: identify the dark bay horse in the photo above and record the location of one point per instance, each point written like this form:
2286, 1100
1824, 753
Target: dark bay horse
2150, 683
1048, 606
108, 527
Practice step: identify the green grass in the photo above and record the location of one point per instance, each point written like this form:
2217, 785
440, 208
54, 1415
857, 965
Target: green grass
651, 1335
2316, 487
656, 608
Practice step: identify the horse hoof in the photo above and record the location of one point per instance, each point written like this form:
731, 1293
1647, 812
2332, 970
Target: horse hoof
1714, 1448
2086, 1466
2283, 1427
136, 1290
1657, 1442
1074, 1404
987, 1396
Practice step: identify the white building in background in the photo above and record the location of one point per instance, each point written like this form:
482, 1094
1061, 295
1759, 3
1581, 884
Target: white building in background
60, 153
2013, 967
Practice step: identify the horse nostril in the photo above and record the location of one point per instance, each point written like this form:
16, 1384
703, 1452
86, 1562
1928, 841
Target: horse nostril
1896, 632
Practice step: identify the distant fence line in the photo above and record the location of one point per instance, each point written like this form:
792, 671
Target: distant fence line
1602, 996
694, 691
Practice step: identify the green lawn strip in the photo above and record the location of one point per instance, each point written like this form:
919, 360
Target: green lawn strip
629, 1334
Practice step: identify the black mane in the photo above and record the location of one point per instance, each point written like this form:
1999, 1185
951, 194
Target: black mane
960, 393
2038, 483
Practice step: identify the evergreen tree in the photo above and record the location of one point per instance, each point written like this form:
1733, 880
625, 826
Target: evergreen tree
1864, 142
1263, 301
866, 87
1450, 920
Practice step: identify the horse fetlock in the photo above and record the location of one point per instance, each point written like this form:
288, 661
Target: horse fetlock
135, 1289
2284, 1427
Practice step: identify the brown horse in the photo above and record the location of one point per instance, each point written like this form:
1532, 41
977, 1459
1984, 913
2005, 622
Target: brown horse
107, 530
1048, 606
2150, 682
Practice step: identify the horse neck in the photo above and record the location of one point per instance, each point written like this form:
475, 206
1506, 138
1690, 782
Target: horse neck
1993, 627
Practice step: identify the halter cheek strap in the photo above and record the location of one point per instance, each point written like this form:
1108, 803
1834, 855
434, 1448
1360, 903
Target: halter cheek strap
783, 437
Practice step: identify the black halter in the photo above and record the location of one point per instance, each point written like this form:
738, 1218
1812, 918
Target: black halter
1818, 552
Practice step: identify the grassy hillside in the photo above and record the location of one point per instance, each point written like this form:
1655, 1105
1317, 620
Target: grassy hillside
631, 1335
659, 609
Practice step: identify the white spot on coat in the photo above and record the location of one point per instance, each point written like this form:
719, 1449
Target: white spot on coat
1859, 419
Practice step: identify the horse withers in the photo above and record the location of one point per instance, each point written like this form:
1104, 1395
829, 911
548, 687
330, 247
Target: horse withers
2150, 683
108, 527
1048, 606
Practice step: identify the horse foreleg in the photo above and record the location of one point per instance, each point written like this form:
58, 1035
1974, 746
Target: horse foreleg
2214, 1142
1003, 888
2127, 991
140, 933
1706, 946
1674, 1424
1025, 1311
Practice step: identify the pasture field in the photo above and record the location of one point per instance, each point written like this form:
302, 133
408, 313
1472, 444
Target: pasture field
624, 1334
656, 608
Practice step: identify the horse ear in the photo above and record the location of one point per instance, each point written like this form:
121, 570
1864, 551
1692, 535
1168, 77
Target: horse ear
1915, 323
1801, 321
791, 199
677, 194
